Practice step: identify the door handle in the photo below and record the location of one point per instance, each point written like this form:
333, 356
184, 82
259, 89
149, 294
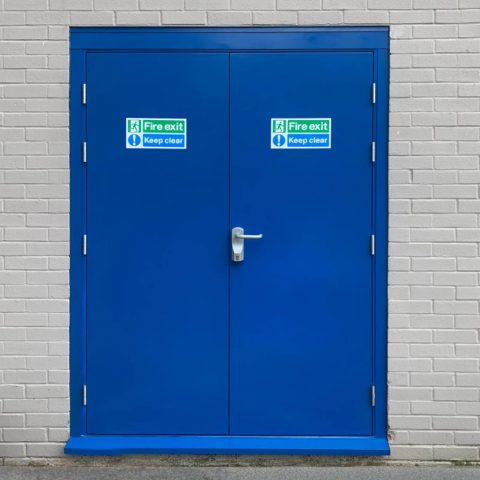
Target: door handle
238, 243
258, 236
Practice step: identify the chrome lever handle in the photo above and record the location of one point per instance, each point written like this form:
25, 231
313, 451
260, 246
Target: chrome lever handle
249, 237
238, 243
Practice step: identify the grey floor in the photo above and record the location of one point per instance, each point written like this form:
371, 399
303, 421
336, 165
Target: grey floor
241, 473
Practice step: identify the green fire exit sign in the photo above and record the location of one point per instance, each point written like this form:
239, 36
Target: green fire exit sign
288, 133
164, 133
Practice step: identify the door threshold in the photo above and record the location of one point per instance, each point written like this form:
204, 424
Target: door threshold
151, 444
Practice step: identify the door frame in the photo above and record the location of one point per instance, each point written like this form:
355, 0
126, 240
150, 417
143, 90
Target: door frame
225, 39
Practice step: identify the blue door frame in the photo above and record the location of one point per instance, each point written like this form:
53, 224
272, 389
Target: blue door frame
228, 40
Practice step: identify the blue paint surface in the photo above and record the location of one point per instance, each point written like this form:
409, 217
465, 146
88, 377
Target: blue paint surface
183, 351
301, 302
127, 445
230, 38
157, 264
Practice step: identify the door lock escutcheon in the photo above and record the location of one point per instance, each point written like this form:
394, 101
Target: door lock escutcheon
238, 241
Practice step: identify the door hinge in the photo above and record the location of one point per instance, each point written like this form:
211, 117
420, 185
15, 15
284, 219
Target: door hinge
374, 93
84, 94
372, 394
84, 152
84, 244
372, 244
84, 395
374, 152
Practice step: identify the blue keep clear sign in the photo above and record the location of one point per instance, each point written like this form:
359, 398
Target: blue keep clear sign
167, 133
288, 133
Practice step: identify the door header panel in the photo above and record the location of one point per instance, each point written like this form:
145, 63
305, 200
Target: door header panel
229, 39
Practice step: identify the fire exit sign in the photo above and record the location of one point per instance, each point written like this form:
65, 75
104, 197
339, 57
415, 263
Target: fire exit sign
288, 133
166, 133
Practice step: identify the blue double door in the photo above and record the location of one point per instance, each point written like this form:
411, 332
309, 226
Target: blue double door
181, 339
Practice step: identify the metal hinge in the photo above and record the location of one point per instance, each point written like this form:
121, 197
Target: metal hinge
374, 93
84, 152
374, 152
84, 244
84, 94
84, 395
372, 392
372, 244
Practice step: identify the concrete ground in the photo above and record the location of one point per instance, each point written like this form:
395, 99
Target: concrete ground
242, 473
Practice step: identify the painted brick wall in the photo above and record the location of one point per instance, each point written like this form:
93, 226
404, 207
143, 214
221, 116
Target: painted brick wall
434, 203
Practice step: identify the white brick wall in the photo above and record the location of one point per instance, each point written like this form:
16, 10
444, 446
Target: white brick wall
434, 282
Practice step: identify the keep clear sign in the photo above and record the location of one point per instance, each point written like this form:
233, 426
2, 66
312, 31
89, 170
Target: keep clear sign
301, 133
156, 133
